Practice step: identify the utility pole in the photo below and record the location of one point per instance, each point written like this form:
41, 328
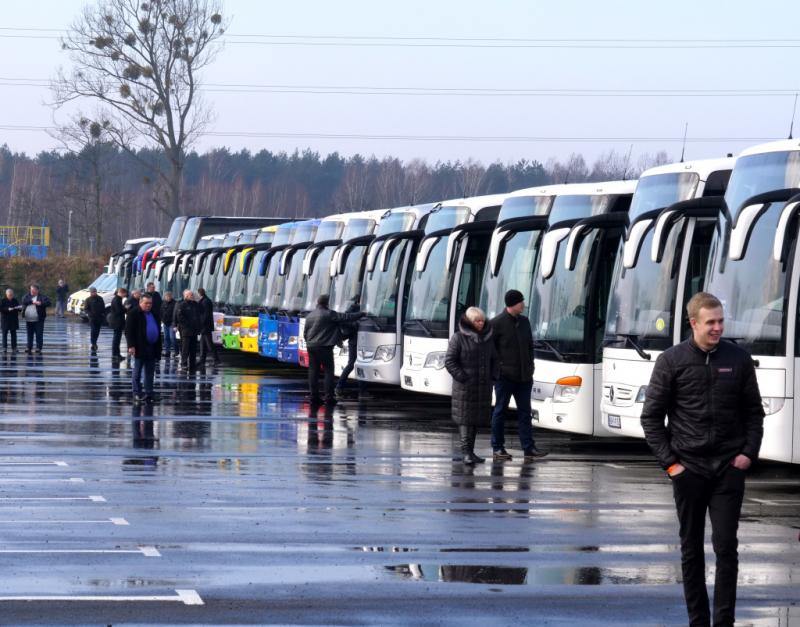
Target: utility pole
69, 234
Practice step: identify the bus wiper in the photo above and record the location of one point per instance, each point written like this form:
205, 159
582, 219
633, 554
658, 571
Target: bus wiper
631, 339
421, 325
549, 347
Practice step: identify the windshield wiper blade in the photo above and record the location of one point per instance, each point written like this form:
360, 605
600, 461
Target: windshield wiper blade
549, 347
421, 325
631, 339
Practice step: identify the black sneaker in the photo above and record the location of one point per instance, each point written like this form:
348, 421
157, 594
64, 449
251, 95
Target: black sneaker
501, 455
532, 453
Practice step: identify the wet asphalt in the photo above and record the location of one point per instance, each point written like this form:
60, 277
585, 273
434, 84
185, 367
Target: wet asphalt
231, 501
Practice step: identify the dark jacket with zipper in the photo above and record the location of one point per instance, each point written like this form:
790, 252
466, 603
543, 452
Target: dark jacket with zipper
9, 313
322, 327
168, 312
513, 339
712, 404
206, 315
116, 316
136, 334
95, 308
472, 362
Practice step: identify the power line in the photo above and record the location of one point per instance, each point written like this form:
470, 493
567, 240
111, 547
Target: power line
268, 39
451, 91
439, 138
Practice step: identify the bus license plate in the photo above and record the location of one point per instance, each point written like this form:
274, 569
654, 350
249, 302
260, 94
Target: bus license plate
614, 422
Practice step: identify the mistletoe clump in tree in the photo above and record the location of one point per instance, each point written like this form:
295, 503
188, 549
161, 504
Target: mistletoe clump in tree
141, 62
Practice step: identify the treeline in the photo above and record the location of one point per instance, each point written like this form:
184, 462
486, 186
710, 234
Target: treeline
108, 195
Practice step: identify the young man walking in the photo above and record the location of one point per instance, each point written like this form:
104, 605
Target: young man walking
513, 339
707, 389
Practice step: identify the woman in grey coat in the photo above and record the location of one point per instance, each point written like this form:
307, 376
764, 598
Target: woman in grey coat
472, 362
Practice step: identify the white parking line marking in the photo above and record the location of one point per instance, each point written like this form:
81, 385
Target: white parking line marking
187, 597
619, 466
146, 551
773, 501
106, 521
94, 499
69, 480
62, 464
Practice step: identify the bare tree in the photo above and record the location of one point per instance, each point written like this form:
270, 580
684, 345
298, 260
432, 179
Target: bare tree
141, 61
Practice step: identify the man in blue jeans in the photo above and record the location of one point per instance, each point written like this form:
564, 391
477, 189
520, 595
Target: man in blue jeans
143, 334
514, 341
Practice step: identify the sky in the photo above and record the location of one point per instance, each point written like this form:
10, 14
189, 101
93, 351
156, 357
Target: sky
472, 55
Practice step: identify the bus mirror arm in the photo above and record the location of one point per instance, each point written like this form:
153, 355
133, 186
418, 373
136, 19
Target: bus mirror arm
582, 228
788, 217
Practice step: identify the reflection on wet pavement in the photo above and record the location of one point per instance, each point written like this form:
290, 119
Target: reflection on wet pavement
261, 501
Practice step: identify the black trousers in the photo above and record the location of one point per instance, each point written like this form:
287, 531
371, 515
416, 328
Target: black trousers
13, 333
207, 347
115, 342
188, 349
95, 325
320, 357
720, 496
352, 353
35, 329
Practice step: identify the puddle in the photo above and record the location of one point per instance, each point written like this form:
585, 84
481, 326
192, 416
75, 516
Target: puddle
517, 576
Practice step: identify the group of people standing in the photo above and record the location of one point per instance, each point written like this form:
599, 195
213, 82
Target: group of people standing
151, 326
33, 309
492, 356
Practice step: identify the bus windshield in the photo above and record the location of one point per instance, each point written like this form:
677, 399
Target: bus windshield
662, 190
275, 283
524, 207
256, 290
319, 281
175, 232
294, 293
396, 223
517, 268
346, 287
429, 299
381, 289
756, 174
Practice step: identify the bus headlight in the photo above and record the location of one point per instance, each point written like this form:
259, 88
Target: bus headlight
292, 340
385, 352
567, 389
772, 404
435, 360
641, 396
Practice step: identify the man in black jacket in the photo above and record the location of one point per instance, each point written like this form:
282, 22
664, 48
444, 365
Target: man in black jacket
513, 339
95, 309
187, 319
34, 310
168, 324
116, 320
206, 328
708, 391
151, 291
322, 334
9, 319
143, 334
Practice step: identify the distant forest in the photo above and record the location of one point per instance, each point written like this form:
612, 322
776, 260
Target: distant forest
112, 194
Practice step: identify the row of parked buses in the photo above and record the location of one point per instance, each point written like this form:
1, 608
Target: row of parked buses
607, 269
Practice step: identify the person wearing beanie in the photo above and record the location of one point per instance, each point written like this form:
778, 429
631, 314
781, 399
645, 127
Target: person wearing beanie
321, 334
513, 339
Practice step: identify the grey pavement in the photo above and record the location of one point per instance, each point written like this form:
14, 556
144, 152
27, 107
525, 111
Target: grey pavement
231, 501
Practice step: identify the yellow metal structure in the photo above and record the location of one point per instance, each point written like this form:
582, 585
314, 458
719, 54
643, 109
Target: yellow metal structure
19, 237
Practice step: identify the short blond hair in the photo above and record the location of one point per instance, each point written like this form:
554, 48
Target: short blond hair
473, 314
701, 300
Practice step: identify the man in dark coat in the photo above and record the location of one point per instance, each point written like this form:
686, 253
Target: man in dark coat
9, 318
62, 293
151, 291
187, 319
143, 334
513, 339
168, 324
472, 362
350, 333
34, 308
708, 391
206, 328
95, 309
116, 321
322, 334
